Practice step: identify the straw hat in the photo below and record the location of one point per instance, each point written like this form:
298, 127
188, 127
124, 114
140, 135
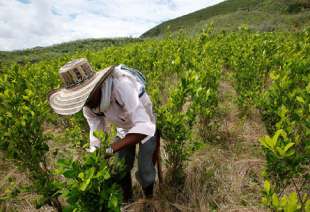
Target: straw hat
79, 81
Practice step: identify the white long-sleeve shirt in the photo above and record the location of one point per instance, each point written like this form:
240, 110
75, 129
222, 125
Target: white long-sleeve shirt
129, 112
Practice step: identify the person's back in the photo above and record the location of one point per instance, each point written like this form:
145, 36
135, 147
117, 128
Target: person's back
117, 95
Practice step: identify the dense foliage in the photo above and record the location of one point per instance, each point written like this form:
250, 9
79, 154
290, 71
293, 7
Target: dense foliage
270, 72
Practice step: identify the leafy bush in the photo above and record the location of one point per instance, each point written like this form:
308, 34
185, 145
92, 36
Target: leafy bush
21, 135
285, 203
90, 184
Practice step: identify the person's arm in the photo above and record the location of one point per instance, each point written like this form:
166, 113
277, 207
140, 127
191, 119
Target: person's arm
128, 140
95, 123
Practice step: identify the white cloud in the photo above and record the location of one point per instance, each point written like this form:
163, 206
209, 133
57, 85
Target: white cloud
30, 23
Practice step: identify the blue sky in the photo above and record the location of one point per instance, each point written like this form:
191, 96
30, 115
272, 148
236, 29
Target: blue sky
30, 23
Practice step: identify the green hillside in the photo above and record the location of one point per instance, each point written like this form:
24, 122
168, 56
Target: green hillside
262, 15
34, 55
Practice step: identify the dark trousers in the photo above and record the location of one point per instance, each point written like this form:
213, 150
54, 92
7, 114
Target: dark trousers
146, 170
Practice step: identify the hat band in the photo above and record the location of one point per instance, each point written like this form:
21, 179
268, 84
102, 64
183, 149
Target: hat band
79, 81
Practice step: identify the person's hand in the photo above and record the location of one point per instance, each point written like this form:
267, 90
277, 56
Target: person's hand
108, 152
91, 149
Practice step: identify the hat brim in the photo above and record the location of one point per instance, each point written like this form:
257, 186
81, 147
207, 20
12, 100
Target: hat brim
68, 101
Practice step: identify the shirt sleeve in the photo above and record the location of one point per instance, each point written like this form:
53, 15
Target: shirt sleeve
129, 96
121, 132
95, 123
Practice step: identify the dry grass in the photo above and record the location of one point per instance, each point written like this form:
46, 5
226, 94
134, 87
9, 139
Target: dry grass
226, 174
12, 180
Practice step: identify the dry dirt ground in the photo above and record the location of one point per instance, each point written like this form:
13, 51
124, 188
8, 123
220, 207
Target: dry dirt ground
11, 179
224, 175
234, 160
